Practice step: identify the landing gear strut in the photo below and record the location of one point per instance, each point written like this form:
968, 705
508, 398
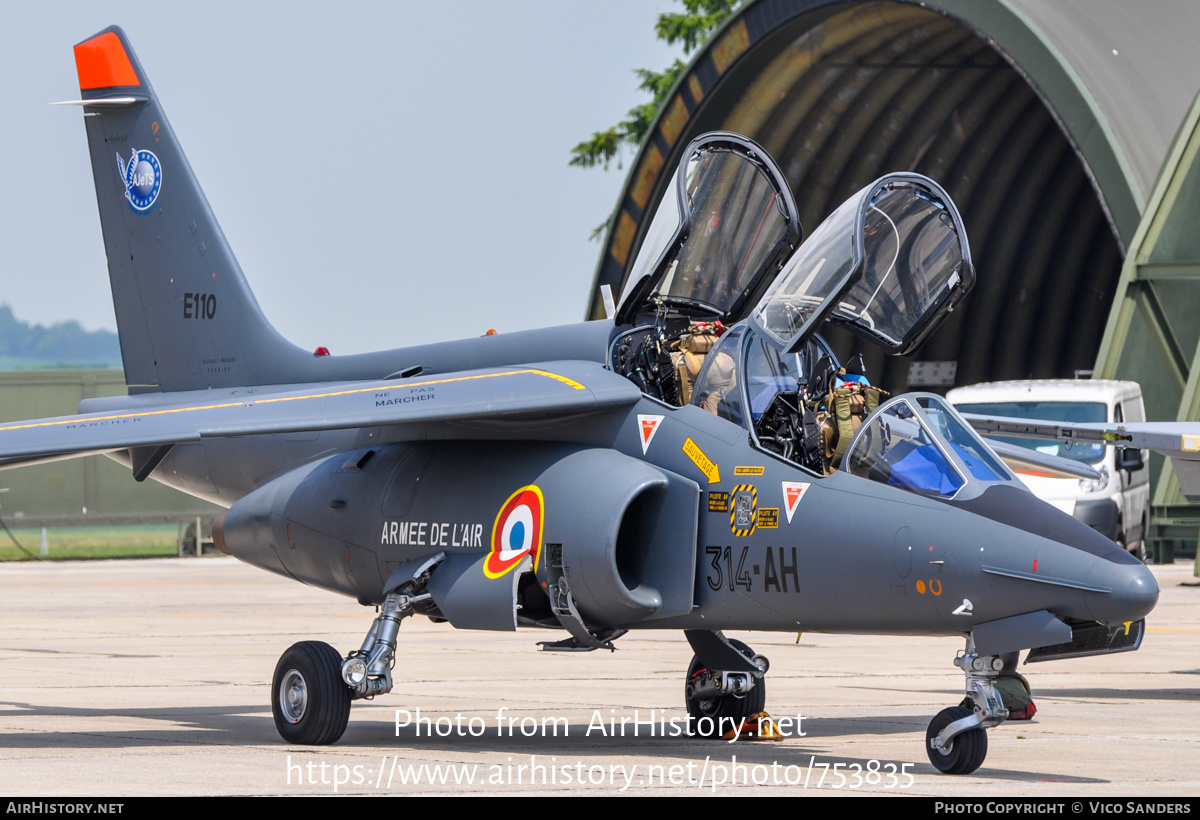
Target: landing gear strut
956, 740
719, 701
312, 687
368, 670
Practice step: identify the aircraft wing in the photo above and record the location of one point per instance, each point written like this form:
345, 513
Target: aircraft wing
1178, 440
495, 396
1021, 458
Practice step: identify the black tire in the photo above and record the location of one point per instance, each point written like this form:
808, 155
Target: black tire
309, 700
1142, 550
1138, 550
966, 751
1135, 548
732, 707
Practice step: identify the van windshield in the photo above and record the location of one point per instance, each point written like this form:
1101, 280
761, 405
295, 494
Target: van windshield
1088, 452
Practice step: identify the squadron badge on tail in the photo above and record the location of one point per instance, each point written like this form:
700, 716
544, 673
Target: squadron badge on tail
142, 178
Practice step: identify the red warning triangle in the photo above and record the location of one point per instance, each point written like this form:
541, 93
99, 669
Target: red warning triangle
793, 491
647, 427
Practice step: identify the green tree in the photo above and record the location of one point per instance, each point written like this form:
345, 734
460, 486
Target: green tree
25, 345
691, 28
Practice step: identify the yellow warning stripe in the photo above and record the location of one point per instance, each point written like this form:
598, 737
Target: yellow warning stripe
251, 402
743, 488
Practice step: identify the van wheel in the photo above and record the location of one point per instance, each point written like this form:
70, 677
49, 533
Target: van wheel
1138, 550
1135, 548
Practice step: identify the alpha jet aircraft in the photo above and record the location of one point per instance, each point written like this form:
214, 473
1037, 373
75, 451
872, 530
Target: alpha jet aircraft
698, 462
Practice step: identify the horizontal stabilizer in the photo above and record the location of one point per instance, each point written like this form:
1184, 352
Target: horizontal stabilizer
103, 102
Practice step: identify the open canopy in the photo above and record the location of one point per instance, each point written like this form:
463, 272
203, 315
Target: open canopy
718, 236
888, 264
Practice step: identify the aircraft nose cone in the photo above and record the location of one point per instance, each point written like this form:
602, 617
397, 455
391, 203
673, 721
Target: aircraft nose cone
1141, 593
1134, 594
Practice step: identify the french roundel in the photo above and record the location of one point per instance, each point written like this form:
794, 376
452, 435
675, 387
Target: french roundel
517, 531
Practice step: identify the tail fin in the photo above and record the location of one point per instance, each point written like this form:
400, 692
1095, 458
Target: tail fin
186, 317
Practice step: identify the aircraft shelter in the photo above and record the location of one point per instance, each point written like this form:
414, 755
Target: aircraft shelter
1066, 132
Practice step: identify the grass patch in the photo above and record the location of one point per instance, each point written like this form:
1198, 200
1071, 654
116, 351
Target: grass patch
65, 543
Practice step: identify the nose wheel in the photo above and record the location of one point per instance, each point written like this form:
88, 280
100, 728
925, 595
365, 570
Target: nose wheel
963, 753
956, 740
310, 702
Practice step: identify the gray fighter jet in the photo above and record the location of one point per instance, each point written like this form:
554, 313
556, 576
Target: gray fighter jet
697, 462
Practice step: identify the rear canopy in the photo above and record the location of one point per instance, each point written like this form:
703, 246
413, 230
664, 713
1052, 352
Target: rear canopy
888, 264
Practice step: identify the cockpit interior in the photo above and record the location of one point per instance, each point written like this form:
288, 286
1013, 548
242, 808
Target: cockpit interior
724, 302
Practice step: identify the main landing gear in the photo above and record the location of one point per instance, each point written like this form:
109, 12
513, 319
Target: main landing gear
310, 703
956, 740
312, 687
720, 701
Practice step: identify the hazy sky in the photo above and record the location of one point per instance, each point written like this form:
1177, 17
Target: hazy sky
387, 173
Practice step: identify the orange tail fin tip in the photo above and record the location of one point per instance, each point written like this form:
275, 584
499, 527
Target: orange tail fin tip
102, 63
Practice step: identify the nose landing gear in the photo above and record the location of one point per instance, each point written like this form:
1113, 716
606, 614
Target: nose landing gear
956, 740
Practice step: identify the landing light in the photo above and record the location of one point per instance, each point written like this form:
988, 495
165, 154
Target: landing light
354, 671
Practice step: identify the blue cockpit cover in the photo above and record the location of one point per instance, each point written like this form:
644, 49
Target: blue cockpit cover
924, 469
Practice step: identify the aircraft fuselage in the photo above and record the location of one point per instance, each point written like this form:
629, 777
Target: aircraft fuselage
771, 546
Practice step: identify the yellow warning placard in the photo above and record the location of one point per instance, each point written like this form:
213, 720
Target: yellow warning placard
707, 466
748, 470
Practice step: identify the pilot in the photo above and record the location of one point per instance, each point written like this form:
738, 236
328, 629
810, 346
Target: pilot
718, 392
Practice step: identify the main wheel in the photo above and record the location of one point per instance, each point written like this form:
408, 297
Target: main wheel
721, 710
310, 701
965, 752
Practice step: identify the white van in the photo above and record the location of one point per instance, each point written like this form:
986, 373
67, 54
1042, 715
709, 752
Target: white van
1118, 504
